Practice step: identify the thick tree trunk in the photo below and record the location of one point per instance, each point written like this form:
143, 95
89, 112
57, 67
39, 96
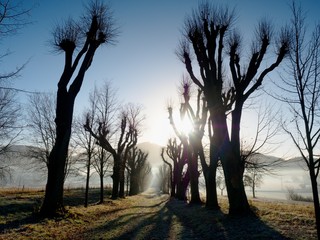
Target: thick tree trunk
176, 179
183, 186
211, 188
115, 178
180, 192
134, 185
210, 177
194, 178
238, 202
53, 200
121, 182
234, 167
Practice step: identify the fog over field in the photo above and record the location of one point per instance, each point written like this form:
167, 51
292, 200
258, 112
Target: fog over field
25, 173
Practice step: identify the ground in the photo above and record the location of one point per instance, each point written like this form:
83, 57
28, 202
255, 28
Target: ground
151, 216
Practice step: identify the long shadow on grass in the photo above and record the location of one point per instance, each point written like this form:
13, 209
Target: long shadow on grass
208, 224
28, 219
76, 197
174, 219
17, 212
144, 222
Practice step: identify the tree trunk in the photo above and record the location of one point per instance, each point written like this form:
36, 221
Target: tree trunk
211, 188
238, 202
253, 189
115, 178
122, 181
53, 200
234, 167
316, 203
194, 178
86, 196
134, 185
128, 184
183, 186
101, 188
211, 172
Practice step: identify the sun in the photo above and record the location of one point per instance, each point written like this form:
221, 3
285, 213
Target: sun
185, 126
158, 129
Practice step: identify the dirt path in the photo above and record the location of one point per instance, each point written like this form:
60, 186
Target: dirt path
145, 216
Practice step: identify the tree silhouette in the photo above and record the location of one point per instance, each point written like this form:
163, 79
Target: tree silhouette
179, 178
99, 29
87, 145
208, 31
41, 123
188, 140
301, 93
137, 159
120, 148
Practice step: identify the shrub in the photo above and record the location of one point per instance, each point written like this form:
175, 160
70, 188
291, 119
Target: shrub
292, 195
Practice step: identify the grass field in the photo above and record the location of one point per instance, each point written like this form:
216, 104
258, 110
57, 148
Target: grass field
149, 216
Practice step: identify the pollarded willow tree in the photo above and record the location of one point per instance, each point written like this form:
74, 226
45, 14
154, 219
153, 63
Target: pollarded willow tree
191, 141
179, 178
207, 31
94, 29
136, 162
118, 141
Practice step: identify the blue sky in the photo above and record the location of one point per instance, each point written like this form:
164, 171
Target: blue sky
142, 66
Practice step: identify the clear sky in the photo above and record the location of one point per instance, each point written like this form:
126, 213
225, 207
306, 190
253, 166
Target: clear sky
142, 66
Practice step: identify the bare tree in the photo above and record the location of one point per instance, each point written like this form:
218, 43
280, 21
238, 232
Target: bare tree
9, 117
102, 108
253, 175
179, 176
41, 113
120, 145
208, 30
191, 141
101, 163
253, 153
302, 92
133, 114
87, 146
97, 29
13, 17
172, 170
221, 183
164, 178
137, 159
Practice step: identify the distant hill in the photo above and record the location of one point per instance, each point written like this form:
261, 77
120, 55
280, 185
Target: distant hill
22, 170
154, 151
26, 173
